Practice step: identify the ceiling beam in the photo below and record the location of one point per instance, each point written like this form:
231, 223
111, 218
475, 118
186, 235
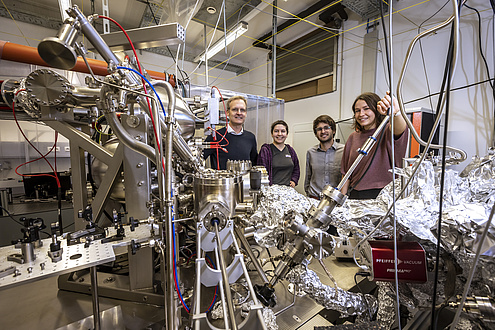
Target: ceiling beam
303, 14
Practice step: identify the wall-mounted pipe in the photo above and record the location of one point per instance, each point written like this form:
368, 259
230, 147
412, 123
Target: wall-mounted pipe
24, 54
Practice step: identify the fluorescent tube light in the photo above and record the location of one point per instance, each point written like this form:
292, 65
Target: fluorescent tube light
222, 42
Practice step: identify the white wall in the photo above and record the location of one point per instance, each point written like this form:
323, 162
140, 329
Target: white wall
470, 125
471, 118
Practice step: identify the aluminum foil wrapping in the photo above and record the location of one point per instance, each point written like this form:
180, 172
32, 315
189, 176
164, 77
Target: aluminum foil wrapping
245, 308
268, 314
275, 202
270, 319
386, 309
347, 303
217, 311
467, 201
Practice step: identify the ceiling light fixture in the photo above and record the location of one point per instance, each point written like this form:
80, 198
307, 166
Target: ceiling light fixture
223, 42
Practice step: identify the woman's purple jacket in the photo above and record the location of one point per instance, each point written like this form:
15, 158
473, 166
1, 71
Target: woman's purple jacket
265, 158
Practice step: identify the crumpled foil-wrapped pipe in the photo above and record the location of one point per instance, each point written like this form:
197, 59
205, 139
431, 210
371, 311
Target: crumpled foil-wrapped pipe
270, 319
467, 202
275, 202
345, 302
386, 308
268, 314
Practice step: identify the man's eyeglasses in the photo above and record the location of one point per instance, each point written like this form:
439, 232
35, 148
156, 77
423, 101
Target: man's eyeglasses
241, 110
324, 128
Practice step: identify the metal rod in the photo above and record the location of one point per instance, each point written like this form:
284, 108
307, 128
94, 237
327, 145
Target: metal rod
225, 277
365, 150
183, 219
328, 273
287, 307
250, 285
222, 293
250, 254
93, 36
168, 225
94, 295
206, 56
197, 301
274, 49
97, 41
467, 286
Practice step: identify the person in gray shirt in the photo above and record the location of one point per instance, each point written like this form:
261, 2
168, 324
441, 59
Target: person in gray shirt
323, 160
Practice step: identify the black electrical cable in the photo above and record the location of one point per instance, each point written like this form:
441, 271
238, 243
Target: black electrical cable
18, 222
481, 49
452, 90
387, 54
90, 173
390, 112
361, 291
271, 259
171, 55
10, 216
421, 50
440, 211
446, 81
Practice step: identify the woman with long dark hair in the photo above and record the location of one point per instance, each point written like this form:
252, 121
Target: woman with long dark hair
372, 173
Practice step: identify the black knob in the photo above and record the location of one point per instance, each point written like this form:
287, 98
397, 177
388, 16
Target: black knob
135, 246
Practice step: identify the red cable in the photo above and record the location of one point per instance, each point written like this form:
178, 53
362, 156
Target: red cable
226, 128
211, 265
55, 153
143, 81
151, 117
42, 156
177, 288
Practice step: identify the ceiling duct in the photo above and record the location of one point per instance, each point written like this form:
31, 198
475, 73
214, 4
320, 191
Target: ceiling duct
232, 9
303, 14
334, 14
366, 9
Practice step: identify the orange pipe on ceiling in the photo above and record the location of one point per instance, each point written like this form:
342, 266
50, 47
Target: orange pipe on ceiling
25, 54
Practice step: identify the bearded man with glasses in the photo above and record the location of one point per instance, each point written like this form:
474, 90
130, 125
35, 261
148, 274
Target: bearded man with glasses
323, 160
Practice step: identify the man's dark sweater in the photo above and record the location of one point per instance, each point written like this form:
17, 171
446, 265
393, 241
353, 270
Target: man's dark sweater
240, 147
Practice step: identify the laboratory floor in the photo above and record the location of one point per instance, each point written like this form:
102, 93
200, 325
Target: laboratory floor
40, 305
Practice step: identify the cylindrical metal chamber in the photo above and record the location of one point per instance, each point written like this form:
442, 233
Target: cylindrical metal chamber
218, 188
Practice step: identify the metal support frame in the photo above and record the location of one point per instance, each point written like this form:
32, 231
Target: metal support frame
231, 273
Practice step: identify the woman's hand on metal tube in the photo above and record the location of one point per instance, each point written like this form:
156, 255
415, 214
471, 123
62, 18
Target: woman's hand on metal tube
386, 102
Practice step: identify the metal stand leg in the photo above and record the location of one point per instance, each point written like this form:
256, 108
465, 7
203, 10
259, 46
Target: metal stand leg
225, 278
94, 294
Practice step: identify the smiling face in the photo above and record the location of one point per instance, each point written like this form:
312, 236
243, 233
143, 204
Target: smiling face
279, 134
324, 132
364, 115
237, 112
